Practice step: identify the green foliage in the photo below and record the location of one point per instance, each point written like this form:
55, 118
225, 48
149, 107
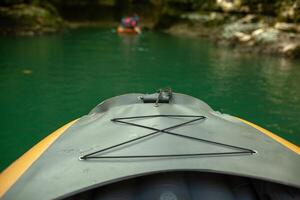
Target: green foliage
10, 2
83, 2
289, 11
25, 18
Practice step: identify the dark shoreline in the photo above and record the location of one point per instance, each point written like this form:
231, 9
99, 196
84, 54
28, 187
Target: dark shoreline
238, 27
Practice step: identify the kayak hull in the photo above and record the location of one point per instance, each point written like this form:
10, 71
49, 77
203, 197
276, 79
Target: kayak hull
221, 138
129, 31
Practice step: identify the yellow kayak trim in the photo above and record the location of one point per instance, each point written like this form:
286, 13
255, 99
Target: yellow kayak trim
282, 141
12, 173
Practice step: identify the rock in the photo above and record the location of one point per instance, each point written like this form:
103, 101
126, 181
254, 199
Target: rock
249, 19
243, 37
291, 49
288, 27
257, 32
195, 30
211, 18
23, 19
231, 29
246, 25
229, 5
267, 35
196, 17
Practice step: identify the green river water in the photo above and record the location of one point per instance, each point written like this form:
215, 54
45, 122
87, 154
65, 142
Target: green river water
47, 81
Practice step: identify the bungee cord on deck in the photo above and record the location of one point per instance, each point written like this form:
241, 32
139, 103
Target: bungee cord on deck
240, 150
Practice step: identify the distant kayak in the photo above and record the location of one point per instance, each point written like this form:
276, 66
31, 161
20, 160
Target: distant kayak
161, 146
135, 30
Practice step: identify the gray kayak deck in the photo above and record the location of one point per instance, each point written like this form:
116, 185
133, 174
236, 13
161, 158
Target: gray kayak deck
59, 172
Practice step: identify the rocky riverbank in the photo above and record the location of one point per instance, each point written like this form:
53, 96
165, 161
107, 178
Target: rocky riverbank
34, 17
270, 28
247, 34
28, 19
246, 25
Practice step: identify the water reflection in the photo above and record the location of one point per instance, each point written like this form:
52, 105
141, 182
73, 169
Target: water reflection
265, 90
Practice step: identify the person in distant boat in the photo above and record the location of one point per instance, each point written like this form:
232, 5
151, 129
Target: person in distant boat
130, 24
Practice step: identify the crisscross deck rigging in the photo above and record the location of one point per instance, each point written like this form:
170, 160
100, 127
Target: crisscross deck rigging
239, 150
